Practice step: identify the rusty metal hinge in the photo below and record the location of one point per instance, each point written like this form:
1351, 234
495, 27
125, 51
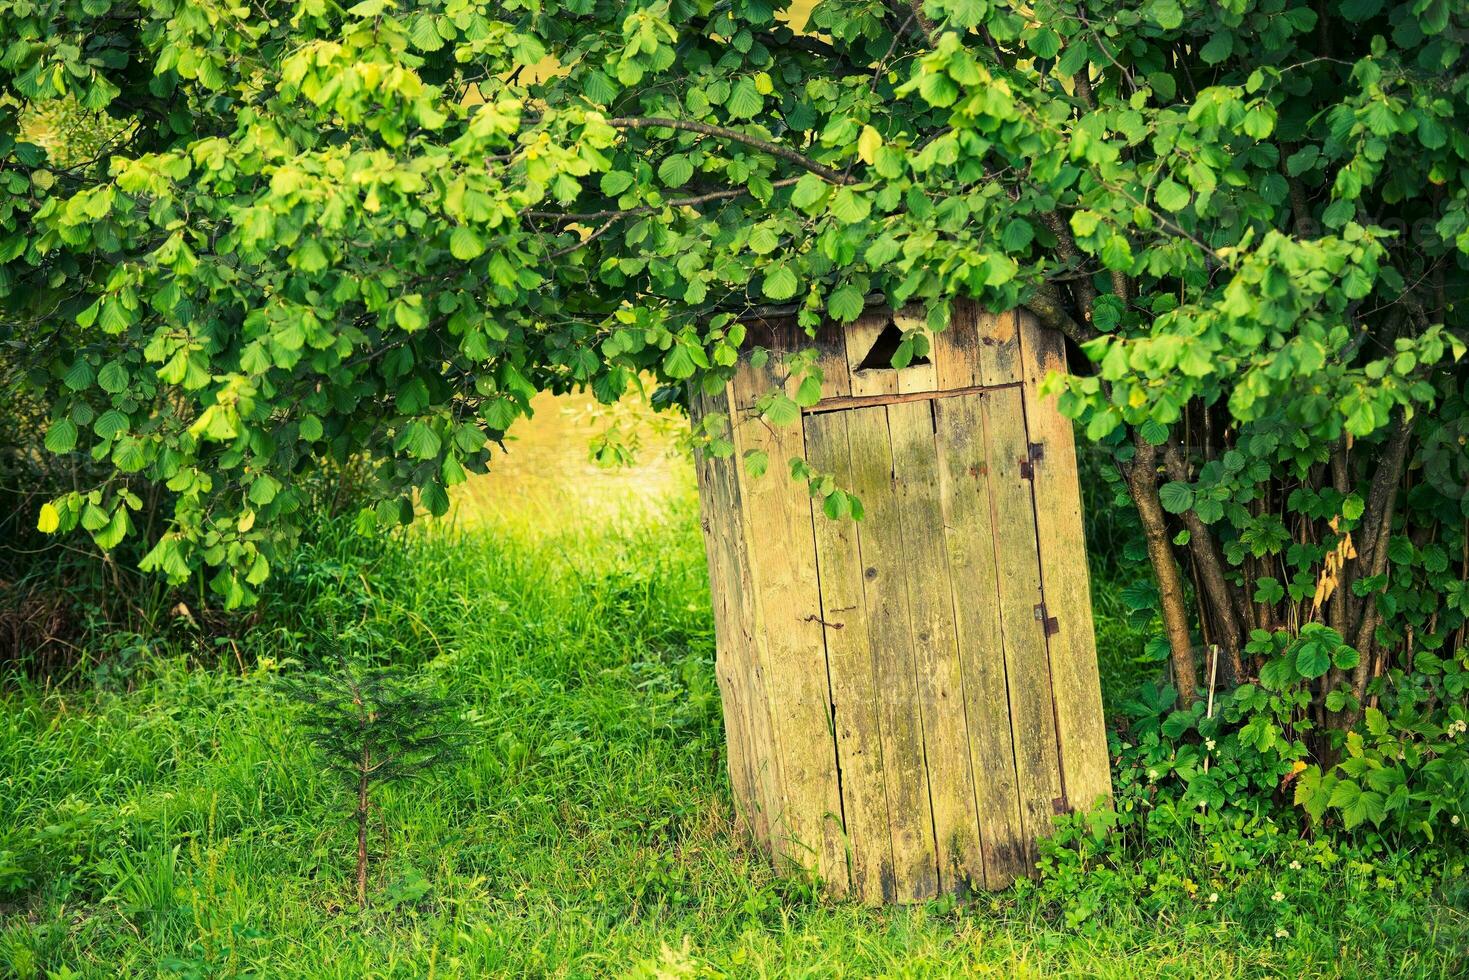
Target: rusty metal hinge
1049, 623
1034, 453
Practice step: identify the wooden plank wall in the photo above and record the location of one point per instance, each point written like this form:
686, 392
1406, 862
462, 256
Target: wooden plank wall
890, 727
1061, 538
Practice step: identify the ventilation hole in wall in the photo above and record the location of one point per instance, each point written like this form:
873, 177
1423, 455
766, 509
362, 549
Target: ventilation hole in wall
880, 357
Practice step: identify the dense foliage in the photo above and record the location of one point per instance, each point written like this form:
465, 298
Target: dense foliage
318, 232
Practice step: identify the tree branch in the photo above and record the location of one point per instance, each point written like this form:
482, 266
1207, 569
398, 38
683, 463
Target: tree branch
677, 202
1046, 303
755, 142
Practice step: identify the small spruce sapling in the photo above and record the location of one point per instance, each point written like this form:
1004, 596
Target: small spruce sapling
373, 726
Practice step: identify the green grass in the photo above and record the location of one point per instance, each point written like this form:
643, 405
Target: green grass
175, 824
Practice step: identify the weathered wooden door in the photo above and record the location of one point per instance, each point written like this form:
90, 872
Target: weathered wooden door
936, 641
912, 698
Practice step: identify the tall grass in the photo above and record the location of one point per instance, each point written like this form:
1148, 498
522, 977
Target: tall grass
176, 824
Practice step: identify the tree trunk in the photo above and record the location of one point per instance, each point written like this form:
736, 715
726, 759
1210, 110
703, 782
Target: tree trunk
1377, 524
1142, 484
1210, 565
362, 832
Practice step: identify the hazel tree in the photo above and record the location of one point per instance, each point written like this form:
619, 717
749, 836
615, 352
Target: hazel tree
323, 231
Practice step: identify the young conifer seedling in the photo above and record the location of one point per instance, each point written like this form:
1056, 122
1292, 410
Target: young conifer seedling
372, 726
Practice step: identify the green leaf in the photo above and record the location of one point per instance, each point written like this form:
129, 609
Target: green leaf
763, 240
80, 375
809, 391
110, 424
1302, 160
418, 441
61, 436
745, 101
1044, 43
464, 244
1176, 497
780, 283
1356, 804
675, 171
1171, 195
809, 191
1167, 14
599, 88
678, 363
614, 182
849, 206
113, 377
846, 303
1313, 659
1017, 235
782, 410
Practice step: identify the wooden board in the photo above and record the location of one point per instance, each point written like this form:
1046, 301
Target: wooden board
790, 651
830, 344
956, 350
754, 764
1027, 669
969, 536
999, 358
880, 544
854, 691
1081, 730
940, 680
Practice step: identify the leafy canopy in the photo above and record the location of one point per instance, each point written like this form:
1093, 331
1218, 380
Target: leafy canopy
320, 231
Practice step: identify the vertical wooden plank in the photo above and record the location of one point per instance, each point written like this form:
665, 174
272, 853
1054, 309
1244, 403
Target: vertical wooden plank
956, 354
940, 681
879, 538
999, 361
915, 377
1065, 581
861, 335
969, 536
1027, 670
831, 356
789, 645
753, 763
779, 336
854, 691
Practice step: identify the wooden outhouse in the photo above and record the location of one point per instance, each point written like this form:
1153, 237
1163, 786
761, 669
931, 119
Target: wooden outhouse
910, 699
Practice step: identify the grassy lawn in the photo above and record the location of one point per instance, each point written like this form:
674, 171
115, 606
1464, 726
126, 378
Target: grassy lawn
174, 823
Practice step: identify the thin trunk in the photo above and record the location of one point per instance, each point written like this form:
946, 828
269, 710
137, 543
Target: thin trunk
362, 830
1220, 594
1142, 483
1381, 503
1338, 609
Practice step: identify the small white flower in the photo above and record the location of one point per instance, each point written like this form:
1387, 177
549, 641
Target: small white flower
1278, 897
1295, 865
1153, 774
1213, 897
1209, 744
1282, 933
1454, 820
